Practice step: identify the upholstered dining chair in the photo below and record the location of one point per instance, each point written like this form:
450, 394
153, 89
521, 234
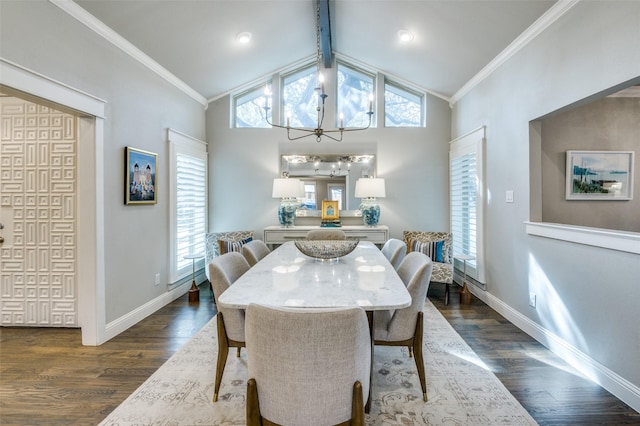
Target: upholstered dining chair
224, 271
219, 243
394, 250
307, 366
404, 327
326, 234
255, 250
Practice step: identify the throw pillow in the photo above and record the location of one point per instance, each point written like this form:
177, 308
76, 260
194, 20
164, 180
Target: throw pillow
433, 249
226, 246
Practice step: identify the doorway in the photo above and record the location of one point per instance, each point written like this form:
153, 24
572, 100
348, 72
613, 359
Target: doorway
38, 198
89, 112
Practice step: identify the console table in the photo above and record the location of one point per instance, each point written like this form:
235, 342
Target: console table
279, 235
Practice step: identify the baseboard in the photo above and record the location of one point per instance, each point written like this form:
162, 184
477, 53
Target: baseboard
590, 368
132, 318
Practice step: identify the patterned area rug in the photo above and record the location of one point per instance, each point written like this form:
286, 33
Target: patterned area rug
461, 390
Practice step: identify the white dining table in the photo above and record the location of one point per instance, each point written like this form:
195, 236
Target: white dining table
288, 278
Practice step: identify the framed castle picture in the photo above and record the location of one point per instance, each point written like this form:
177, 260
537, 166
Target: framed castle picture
141, 176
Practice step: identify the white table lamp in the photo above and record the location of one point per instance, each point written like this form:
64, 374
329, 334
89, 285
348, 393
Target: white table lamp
369, 189
288, 190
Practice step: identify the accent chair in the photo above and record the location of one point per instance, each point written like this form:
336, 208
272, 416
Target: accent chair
218, 243
439, 247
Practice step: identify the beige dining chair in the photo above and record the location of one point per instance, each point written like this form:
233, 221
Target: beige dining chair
224, 271
326, 234
255, 250
404, 327
307, 366
394, 250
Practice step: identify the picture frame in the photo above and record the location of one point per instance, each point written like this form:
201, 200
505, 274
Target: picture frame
330, 210
141, 176
599, 175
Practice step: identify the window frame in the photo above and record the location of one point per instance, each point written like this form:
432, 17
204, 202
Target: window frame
356, 70
180, 143
283, 107
470, 144
399, 86
260, 88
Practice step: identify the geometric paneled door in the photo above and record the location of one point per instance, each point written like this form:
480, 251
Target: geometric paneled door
38, 173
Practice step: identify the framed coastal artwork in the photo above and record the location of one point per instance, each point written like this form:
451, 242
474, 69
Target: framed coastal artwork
141, 176
599, 175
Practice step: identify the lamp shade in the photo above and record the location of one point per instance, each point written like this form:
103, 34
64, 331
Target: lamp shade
370, 188
286, 188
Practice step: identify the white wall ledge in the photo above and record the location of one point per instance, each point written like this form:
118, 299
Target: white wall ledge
598, 237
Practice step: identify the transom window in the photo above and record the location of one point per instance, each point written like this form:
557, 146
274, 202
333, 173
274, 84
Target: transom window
248, 108
402, 107
300, 98
297, 100
354, 88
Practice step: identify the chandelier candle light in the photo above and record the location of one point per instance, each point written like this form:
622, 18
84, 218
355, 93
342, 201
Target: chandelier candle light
369, 189
288, 190
318, 132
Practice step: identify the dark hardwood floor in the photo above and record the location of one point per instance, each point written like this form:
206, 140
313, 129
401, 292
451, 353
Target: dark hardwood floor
47, 377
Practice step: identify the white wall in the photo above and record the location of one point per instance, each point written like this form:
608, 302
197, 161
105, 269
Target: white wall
586, 296
414, 163
140, 107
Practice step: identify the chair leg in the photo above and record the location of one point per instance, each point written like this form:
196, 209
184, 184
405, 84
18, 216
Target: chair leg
410, 351
238, 352
357, 405
253, 405
223, 352
417, 349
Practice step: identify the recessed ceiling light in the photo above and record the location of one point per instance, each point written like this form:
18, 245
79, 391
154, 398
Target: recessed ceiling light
405, 36
243, 37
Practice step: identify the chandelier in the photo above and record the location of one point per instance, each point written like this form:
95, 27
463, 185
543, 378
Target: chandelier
318, 132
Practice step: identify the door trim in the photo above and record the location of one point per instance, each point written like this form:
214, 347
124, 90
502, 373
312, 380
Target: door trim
91, 267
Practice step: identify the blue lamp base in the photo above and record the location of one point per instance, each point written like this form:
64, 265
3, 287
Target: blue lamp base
370, 212
287, 213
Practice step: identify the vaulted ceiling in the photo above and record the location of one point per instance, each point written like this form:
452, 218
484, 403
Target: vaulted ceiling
196, 40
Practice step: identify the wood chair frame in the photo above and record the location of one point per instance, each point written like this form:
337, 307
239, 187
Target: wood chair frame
254, 418
224, 343
415, 345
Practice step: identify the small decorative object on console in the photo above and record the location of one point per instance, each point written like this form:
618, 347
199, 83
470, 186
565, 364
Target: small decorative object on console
326, 249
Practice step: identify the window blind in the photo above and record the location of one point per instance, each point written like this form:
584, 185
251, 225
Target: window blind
191, 207
188, 199
466, 200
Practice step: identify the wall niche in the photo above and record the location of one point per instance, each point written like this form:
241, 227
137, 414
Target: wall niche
609, 121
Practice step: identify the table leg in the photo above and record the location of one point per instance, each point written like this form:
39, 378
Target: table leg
367, 406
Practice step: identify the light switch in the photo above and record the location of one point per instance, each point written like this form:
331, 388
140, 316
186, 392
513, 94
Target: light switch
509, 196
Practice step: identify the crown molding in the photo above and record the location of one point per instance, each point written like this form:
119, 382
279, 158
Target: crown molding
91, 22
541, 24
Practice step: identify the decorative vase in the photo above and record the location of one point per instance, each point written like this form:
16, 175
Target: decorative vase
370, 212
287, 212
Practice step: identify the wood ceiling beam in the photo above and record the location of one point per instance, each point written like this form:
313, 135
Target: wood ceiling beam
325, 33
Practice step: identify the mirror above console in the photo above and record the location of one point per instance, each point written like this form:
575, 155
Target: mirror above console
328, 177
